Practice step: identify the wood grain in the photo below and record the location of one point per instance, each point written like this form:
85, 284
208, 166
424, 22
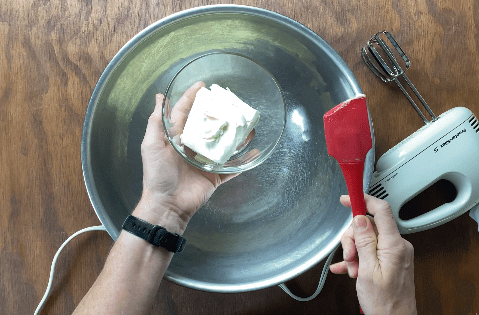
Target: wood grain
53, 52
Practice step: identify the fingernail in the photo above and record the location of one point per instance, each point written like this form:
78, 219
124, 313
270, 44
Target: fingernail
360, 222
159, 101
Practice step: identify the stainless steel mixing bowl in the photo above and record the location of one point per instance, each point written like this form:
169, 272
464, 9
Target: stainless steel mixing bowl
267, 225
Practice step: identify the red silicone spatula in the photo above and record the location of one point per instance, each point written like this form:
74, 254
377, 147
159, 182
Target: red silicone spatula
348, 139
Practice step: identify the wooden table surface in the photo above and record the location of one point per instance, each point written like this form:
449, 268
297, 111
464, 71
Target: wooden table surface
53, 52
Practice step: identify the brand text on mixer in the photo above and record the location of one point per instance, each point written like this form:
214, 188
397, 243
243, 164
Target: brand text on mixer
436, 149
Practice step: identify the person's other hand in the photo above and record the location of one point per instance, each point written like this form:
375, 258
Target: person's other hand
169, 182
382, 261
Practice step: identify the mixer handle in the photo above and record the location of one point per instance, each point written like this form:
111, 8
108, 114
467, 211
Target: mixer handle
443, 213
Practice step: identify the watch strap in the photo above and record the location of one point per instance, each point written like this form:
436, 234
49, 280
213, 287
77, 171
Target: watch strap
154, 234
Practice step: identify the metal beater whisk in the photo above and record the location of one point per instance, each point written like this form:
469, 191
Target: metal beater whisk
393, 71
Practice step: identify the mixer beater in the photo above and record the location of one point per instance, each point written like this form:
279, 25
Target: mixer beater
391, 70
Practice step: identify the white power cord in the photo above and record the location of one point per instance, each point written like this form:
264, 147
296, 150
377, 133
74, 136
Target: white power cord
52, 270
324, 274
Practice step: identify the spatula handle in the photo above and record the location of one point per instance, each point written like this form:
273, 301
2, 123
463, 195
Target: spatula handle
353, 174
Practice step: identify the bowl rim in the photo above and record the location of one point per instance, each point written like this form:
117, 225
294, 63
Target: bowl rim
117, 59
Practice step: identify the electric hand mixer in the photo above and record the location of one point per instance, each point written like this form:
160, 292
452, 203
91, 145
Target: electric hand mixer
447, 147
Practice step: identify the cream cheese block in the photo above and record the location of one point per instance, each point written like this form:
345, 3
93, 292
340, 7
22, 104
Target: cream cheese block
218, 123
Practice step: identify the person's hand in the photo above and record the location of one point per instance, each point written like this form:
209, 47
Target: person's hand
169, 182
381, 260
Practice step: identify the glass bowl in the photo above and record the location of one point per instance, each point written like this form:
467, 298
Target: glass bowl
253, 84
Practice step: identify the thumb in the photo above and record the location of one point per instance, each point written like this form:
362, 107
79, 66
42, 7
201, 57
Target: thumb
155, 133
366, 241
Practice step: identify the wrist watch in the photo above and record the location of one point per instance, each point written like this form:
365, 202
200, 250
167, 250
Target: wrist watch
154, 234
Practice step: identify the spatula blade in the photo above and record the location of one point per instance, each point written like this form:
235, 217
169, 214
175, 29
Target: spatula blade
347, 130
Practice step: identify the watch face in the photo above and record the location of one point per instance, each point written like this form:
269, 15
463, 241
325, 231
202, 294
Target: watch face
172, 242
